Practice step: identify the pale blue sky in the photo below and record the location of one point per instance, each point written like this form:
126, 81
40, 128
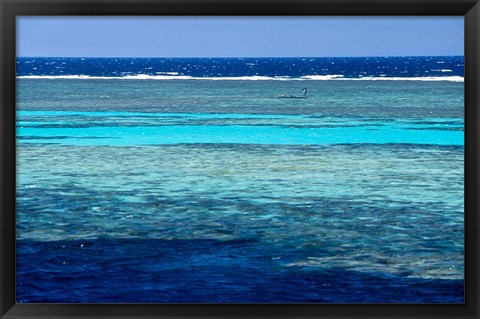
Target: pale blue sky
238, 36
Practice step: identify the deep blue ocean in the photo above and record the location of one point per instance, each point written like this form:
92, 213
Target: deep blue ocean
194, 180
255, 68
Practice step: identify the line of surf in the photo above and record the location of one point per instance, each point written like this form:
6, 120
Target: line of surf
333, 77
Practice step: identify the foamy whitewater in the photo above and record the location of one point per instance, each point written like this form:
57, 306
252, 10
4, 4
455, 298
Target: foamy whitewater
219, 181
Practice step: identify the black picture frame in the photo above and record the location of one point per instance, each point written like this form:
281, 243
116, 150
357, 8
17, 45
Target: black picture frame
470, 9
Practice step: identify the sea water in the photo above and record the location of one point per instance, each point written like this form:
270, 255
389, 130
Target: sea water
189, 180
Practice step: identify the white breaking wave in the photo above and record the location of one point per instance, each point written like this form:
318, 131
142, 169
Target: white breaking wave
159, 77
246, 78
421, 78
322, 77
442, 70
167, 73
332, 77
126, 77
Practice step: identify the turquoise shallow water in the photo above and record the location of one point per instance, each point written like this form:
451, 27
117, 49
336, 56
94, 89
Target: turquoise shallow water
133, 193
124, 128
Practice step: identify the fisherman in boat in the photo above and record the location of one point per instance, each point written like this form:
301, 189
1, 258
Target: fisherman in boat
305, 91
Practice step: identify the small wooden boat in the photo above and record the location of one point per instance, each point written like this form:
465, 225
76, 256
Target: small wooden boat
284, 96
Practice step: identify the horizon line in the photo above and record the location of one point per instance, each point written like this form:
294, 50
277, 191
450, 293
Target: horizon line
236, 57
